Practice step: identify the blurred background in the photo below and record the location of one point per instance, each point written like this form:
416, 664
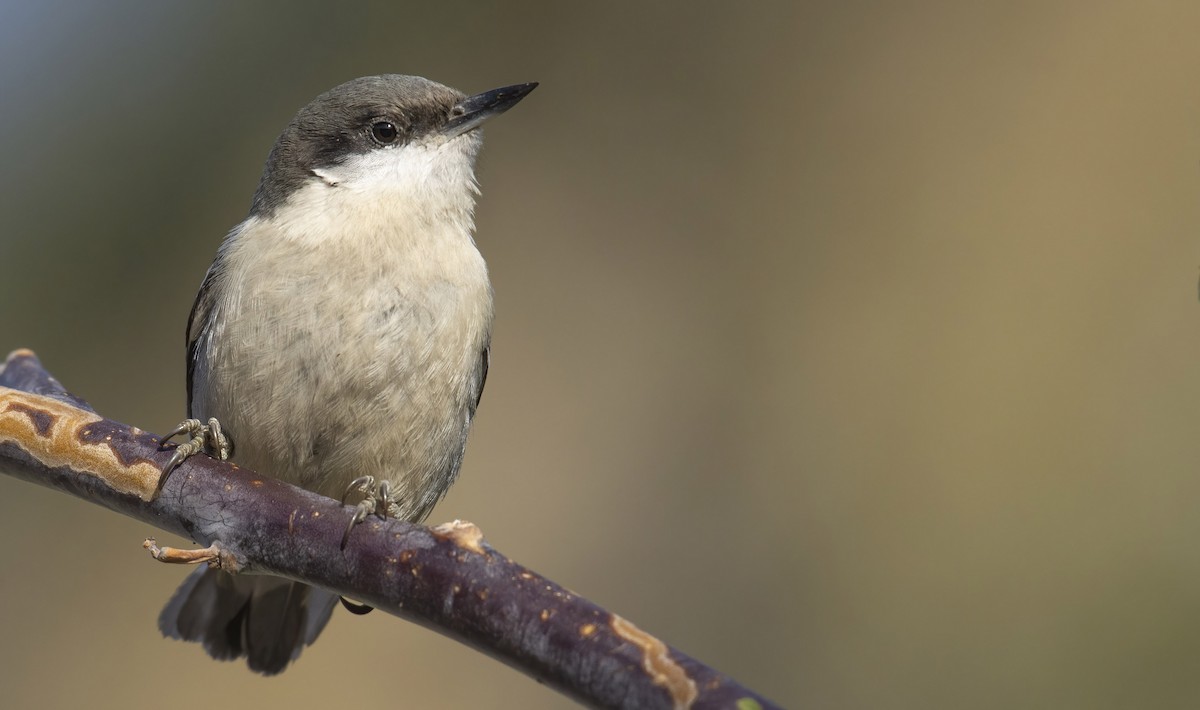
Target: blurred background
852, 349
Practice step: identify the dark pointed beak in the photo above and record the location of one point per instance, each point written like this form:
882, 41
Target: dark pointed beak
474, 110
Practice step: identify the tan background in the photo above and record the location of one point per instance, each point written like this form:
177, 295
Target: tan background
855, 351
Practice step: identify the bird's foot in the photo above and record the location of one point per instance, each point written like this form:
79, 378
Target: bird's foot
201, 437
377, 498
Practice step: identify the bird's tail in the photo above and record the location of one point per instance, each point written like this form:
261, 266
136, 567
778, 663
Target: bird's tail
269, 620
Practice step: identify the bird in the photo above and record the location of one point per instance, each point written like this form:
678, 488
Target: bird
340, 340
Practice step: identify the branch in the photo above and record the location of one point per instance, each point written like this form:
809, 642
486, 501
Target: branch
445, 578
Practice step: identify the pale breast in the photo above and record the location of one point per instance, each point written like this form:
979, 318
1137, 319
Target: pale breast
349, 356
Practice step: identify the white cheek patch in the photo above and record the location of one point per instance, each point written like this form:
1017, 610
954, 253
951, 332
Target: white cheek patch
328, 176
412, 168
410, 189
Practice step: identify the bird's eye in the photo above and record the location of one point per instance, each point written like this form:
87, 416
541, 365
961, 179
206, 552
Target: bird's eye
384, 132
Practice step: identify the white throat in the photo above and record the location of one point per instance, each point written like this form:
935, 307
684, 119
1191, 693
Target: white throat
424, 190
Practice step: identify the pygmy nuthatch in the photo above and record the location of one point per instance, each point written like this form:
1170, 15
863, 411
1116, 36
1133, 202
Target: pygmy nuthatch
340, 339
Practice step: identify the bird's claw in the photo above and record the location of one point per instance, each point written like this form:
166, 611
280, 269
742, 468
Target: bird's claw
377, 497
208, 438
356, 608
360, 514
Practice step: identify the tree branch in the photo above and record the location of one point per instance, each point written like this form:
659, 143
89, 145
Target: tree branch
445, 578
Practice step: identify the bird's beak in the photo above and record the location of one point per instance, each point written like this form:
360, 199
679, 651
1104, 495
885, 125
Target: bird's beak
474, 110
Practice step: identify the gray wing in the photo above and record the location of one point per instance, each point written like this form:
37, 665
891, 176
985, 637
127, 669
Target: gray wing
485, 360
198, 321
